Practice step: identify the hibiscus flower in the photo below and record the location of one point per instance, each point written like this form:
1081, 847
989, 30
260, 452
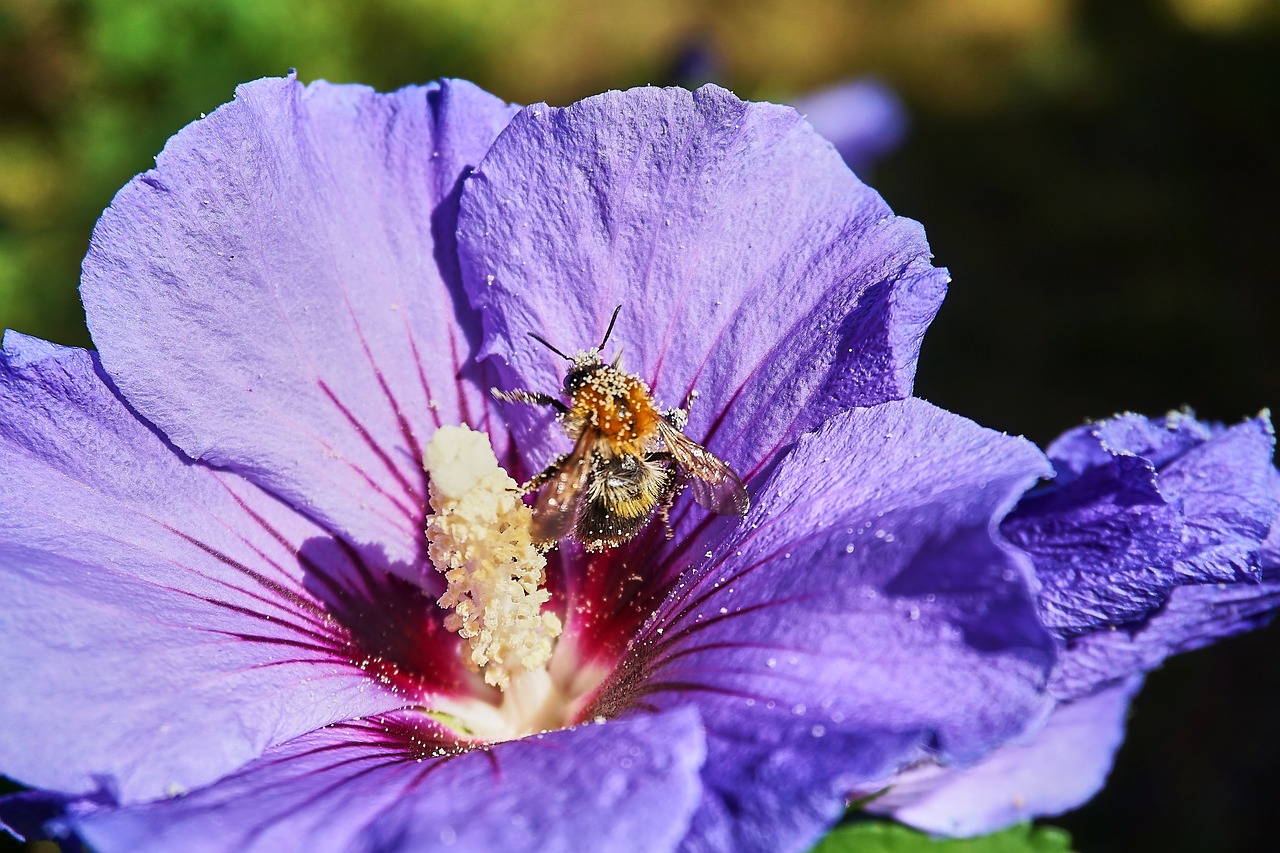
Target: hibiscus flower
1158, 536
222, 558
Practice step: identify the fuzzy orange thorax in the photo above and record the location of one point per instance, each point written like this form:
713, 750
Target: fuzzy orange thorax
620, 408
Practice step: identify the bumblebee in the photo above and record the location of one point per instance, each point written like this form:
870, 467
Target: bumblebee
630, 459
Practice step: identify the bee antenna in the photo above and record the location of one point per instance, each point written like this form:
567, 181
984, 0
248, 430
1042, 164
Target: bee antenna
547, 344
609, 331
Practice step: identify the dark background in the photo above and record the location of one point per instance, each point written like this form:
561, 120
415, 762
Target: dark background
1111, 250
1101, 178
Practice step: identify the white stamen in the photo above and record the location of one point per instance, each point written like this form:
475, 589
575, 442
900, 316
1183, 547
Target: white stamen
480, 540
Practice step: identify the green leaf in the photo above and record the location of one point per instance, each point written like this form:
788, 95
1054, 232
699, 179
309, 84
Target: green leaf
883, 837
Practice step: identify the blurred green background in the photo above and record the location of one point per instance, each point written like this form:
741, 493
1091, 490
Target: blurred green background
1101, 177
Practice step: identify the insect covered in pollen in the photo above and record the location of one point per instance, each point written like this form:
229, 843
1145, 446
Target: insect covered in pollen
630, 459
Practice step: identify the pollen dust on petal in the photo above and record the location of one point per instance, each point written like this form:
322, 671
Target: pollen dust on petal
480, 540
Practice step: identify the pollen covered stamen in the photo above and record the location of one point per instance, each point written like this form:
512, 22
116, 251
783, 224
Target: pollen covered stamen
480, 540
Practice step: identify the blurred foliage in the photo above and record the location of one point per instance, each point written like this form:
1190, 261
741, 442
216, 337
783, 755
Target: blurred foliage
882, 837
90, 89
1100, 177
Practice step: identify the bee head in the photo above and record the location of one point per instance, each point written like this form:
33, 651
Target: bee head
584, 365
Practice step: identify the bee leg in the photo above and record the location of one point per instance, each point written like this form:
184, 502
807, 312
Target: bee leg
532, 398
670, 492
664, 512
678, 418
548, 473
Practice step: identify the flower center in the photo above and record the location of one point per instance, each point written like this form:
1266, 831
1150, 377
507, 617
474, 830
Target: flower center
480, 539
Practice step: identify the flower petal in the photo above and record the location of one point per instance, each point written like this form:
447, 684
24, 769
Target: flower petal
1063, 767
1104, 545
279, 295
1152, 543
1223, 486
781, 786
629, 784
1218, 477
35, 816
708, 219
164, 622
1192, 617
863, 119
865, 614
1269, 551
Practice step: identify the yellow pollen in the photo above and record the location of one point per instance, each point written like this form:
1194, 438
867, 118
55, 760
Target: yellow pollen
620, 407
480, 539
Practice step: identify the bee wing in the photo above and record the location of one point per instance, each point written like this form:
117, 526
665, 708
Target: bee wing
557, 502
715, 486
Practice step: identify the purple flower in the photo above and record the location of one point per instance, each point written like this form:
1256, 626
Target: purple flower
863, 119
1157, 537
226, 571
220, 627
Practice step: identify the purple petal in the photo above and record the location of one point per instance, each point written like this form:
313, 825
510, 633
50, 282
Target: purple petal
1223, 486
164, 622
863, 119
629, 784
1103, 544
783, 792
751, 264
1193, 617
1152, 542
1218, 477
279, 294
1269, 551
1160, 441
37, 816
1140, 508
865, 611
1063, 767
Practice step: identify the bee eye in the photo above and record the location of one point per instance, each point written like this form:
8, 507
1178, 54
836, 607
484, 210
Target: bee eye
576, 378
